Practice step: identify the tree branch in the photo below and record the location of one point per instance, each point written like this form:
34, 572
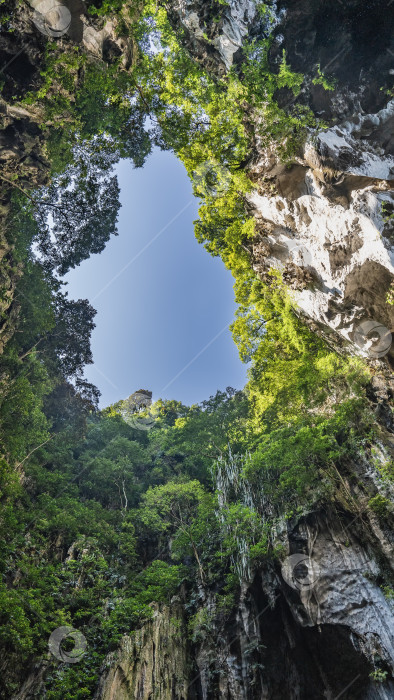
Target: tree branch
34, 450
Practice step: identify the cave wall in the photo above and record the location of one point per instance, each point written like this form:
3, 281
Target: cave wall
314, 628
322, 218
153, 662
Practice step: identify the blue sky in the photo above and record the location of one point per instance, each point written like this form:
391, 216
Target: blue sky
163, 303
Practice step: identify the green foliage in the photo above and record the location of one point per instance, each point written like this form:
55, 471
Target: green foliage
23, 423
385, 467
390, 295
387, 212
280, 129
388, 593
15, 628
240, 521
378, 675
200, 624
321, 79
305, 412
82, 204
158, 582
52, 341
291, 369
105, 7
183, 511
379, 505
171, 506
60, 70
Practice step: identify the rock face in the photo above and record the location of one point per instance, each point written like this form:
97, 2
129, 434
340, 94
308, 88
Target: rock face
326, 226
314, 629
154, 663
338, 596
214, 34
316, 624
326, 219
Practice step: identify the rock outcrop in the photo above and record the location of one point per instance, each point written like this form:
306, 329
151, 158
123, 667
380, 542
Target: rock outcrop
317, 628
325, 219
214, 34
153, 662
326, 224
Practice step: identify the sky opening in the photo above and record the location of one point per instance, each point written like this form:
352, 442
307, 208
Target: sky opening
163, 303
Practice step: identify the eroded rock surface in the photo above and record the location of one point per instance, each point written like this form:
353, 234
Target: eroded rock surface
315, 629
153, 663
214, 34
328, 221
326, 218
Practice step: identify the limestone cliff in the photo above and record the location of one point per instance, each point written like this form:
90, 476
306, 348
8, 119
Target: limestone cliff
154, 662
325, 218
316, 626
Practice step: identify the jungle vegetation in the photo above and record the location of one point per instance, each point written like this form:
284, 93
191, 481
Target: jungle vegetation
91, 502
